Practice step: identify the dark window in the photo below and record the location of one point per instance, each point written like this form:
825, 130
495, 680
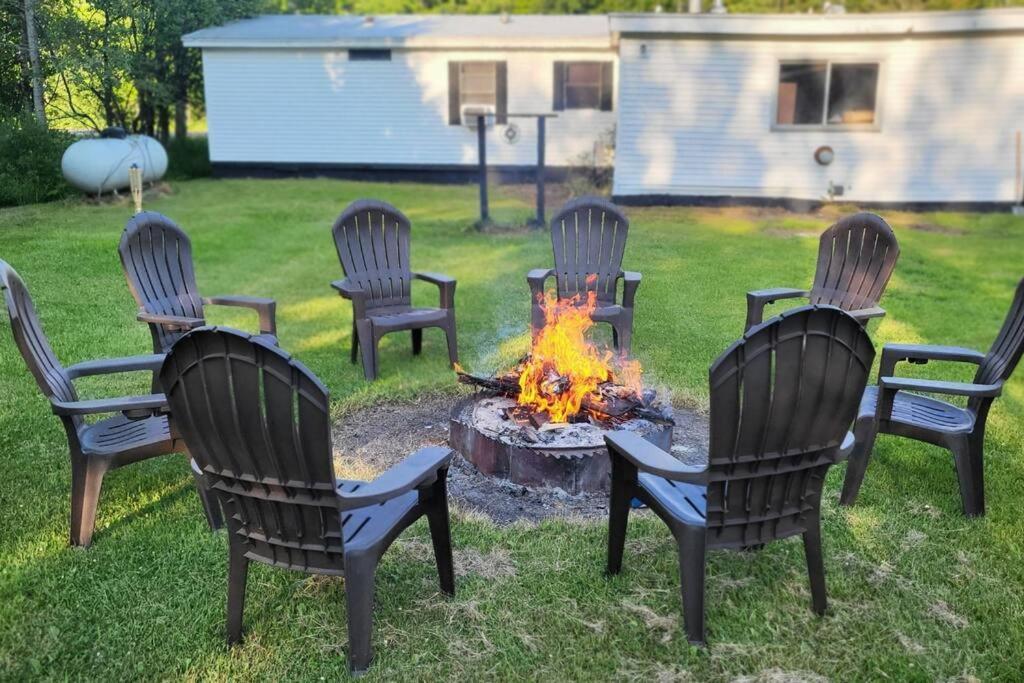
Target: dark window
820, 94
477, 84
852, 92
583, 85
369, 55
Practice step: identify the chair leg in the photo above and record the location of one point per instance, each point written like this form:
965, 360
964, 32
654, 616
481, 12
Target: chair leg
86, 482
692, 545
368, 346
440, 533
970, 471
238, 573
624, 333
449, 335
864, 434
359, 587
417, 341
618, 522
354, 351
211, 506
536, 320
815, 566
615, 338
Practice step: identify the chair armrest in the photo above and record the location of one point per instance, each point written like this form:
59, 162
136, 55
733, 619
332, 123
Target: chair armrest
647, 457
171, 322
630, 282
759, 298
921, 354
354, 293
895, 384
536, 279
266, 308
151, 403
445, 285
420, 469
106, 366
863, 315
889, 386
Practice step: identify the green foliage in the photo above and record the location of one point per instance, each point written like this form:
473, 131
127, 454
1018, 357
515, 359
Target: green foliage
187, 158
30, 162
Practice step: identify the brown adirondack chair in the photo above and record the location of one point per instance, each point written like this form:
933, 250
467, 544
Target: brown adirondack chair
156, 256
372, 239
259, 425
892, 408
588, 237
856, 257
782, 400
138, 432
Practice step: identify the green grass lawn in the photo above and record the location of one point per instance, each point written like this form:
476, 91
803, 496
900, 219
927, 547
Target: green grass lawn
916, 590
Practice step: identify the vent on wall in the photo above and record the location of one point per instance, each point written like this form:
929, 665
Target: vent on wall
369, 55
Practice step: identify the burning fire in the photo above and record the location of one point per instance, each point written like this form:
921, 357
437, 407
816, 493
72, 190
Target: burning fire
564, 369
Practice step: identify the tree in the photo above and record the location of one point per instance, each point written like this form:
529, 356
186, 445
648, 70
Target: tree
35, 65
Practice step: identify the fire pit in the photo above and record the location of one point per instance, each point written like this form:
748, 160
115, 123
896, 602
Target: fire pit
543, 422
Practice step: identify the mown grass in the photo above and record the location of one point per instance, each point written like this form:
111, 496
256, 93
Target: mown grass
917, 591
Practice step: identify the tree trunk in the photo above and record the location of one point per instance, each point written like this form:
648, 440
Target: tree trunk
164, 123
33, 57
180, 119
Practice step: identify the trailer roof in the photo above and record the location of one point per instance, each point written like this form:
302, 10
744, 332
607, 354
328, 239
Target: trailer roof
850, 26
409, 30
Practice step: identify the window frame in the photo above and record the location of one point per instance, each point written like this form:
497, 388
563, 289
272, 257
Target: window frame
873, 127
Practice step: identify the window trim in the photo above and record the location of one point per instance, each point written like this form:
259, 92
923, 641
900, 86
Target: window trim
873, 127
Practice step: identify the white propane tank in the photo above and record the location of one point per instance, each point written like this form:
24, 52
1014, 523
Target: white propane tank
98, 165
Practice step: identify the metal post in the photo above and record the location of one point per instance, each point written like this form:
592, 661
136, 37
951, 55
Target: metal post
541, 127
481, 141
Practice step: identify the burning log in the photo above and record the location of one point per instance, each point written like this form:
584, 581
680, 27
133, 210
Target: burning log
613, 405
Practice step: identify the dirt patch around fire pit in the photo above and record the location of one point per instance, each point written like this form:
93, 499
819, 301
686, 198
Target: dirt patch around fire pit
369, 440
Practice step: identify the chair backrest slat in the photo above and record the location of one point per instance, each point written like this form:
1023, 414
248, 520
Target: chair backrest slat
588, 236
856, 257
782, 400
372, 239
35, 348
1006, 350
257, 422
156, 256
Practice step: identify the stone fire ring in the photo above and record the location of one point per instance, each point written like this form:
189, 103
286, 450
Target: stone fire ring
575, 469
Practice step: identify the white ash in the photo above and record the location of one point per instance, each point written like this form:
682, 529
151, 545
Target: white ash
488, 416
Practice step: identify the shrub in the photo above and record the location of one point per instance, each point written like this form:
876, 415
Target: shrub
30, 162
188, 158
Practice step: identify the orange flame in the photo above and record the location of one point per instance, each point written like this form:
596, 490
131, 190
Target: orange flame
565, 369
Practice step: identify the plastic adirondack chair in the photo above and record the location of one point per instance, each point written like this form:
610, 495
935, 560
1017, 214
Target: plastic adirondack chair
782, 400
372, 239
258, 423
892, 408
588, 237
139, 432
156, 256
856, 257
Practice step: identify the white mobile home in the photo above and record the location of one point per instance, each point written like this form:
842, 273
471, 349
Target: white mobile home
910, 108
921, 108
376, 96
